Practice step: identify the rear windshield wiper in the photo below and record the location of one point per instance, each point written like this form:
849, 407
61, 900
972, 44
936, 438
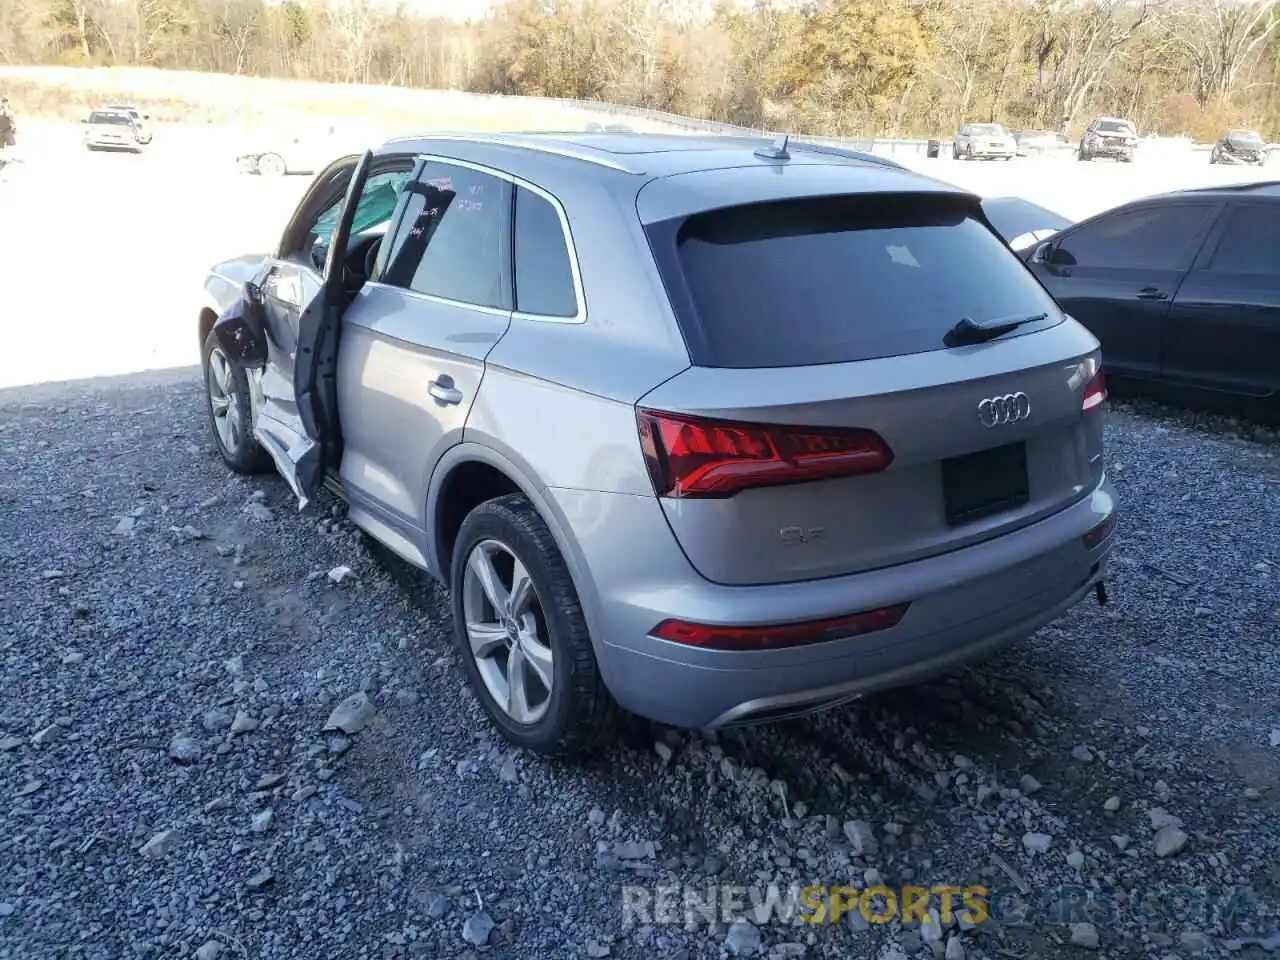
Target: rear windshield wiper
969, 331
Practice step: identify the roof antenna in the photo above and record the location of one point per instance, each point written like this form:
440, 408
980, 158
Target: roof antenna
776, 151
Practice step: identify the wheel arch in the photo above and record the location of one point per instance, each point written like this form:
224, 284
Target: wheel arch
470, 473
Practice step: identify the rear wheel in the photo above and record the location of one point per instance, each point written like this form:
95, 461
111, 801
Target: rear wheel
271, 165
230, 412
521, 633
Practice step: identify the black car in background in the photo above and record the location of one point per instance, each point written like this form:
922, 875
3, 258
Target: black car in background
1240, 146
1021, 223
1183, 291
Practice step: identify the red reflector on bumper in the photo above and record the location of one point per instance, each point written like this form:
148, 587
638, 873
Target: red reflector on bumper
780, 635
1101, 532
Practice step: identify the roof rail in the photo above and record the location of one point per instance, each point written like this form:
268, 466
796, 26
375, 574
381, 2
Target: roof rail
559, 148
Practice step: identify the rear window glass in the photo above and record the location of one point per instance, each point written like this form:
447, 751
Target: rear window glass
840, 279
118, 118
1111, 126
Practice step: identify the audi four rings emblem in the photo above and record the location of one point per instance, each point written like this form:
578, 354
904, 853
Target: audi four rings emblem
998, 411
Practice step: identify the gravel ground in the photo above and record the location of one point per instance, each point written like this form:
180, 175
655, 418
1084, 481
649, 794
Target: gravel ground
173, 644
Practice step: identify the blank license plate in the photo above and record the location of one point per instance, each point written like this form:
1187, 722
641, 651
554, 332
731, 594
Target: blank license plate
980, 484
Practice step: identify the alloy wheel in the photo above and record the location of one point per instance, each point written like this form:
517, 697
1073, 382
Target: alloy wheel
223, 401
507, 632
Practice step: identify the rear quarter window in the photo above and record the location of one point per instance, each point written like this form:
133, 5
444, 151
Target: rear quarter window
838, 279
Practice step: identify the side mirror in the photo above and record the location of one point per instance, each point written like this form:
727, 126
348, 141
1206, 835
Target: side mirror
1043, 253
84, 119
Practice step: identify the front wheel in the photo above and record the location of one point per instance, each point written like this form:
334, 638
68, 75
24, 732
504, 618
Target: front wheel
271, 165
521, 632
226, 387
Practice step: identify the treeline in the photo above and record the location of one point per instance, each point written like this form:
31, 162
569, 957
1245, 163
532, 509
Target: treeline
838, 67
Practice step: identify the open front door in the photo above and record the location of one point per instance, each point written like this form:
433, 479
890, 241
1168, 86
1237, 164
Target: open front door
297, 420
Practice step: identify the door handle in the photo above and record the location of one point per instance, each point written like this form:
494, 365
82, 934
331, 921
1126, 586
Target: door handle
1151, 293
444, 392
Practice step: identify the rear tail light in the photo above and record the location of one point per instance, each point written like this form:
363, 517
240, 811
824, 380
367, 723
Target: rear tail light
1095, 394
692, 457
779, 636
1101, 532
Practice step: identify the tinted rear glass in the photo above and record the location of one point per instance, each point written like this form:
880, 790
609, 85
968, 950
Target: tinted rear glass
988, 129
109, 118
839, 279
1109, 126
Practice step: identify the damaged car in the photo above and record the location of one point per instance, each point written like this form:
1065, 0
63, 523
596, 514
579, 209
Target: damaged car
1240, 146
303, 151
707, 430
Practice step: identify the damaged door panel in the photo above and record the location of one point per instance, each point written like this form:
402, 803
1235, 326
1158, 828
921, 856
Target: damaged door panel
297, 422
279, 427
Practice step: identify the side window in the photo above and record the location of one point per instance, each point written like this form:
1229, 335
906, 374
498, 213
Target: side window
452, 239
1157, 238
544, 278
373, 211
1249, 243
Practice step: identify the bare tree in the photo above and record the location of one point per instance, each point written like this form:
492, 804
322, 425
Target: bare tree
1221, 38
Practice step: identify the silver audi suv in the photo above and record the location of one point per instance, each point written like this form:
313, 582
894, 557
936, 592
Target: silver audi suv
710, 429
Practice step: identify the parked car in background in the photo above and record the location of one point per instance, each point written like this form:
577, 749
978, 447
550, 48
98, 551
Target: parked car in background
874, 453
1183, 291
141, 121
982, 141
1030, 143
111, 130
1022, 223
1109, 137
1240, 146
303, 151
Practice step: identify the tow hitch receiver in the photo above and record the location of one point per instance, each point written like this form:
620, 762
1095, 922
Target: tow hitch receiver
1100, 591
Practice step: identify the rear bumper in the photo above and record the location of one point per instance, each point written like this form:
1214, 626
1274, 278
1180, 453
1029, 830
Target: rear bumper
963, 604
112, 144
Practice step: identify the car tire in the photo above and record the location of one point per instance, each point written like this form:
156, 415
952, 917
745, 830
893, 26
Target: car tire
243, 454
271, 165
578, 709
